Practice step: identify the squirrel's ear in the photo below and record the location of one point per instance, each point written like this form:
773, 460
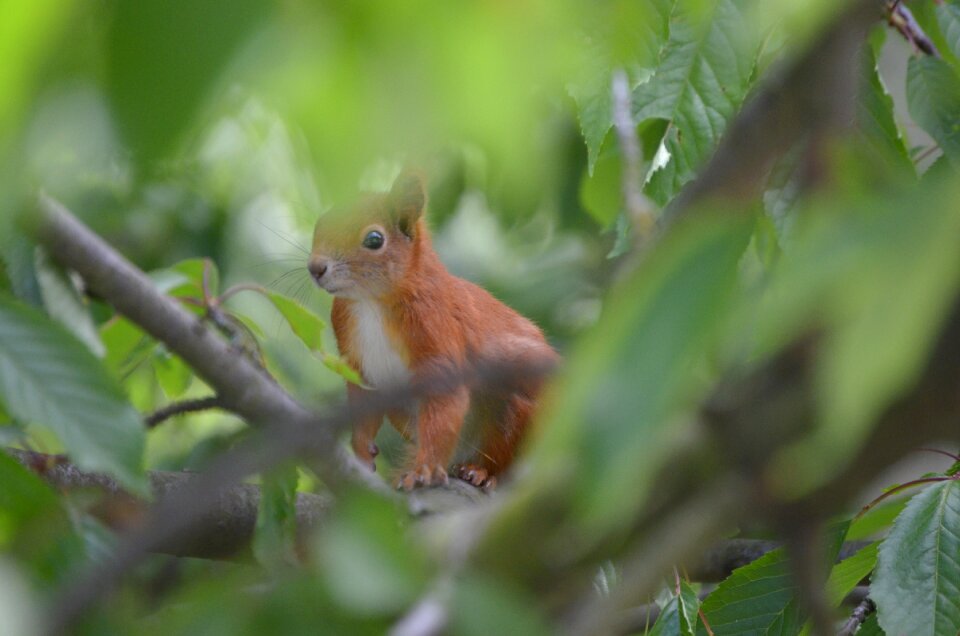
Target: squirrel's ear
408, 198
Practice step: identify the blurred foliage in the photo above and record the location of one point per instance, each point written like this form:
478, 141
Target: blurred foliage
203, 139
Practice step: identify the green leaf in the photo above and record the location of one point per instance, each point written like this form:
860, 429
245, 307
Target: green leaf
595, 112
871, 627
274, 541
194, 269
638, 366
703, 78
933, 98
173, 375
339, 366
878, 519
863, 267
668, 621
848, 573
628, 35
483, 606
18, 256
64, 303
23, 498
304, 323
47, 376
34, 525
600, 193
948, 16
917, 582
689, 606
182, 47
761, 598
678, 617
126, 344
366, 557
875, 115
26, 34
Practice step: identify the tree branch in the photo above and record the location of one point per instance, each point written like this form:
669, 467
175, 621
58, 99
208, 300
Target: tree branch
242, 386
227, 525
180, 408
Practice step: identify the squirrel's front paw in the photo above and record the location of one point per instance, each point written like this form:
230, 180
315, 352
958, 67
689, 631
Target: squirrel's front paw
367, 453
422, 475
473, 474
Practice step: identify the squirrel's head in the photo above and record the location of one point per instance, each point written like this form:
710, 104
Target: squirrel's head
365, 249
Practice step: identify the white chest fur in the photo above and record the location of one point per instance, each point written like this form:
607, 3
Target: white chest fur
382, 363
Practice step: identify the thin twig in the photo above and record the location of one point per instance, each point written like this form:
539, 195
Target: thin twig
182, 407
901, 19
857, 618
952, 456
638, 207
897, 489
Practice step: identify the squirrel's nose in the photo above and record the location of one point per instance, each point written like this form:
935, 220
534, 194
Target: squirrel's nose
317, 268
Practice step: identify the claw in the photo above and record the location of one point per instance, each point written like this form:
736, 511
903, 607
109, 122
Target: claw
422, 475
475, 475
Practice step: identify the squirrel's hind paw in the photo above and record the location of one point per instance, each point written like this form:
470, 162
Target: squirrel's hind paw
473, 474
422, 475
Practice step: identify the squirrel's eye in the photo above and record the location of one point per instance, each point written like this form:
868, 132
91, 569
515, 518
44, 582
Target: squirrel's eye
373, 240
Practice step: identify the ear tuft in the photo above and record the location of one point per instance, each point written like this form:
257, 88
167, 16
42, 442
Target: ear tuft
408, 198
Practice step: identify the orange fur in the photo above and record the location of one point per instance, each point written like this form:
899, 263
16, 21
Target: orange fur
398, 314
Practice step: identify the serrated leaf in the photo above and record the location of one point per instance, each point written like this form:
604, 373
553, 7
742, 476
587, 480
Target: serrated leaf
933, 98
917, 582
65, 304
275, 536
47, 376
948, 17
304, 323
701, 81
628, 36
595, 112
871, 627
875, 115
761, 598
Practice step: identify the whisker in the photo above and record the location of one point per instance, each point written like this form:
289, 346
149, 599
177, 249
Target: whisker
287, 239
274, 284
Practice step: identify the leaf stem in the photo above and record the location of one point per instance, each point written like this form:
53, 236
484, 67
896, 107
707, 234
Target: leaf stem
239, 288
952, 456
896, 489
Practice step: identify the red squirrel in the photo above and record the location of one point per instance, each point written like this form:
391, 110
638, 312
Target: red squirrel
399, 315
